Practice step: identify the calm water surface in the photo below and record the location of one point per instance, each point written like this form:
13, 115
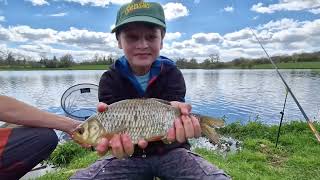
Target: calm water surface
237, 95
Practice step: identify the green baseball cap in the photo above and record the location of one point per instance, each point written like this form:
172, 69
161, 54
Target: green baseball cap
150, 12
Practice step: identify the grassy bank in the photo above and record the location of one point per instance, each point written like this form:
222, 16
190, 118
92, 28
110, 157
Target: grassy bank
296, 157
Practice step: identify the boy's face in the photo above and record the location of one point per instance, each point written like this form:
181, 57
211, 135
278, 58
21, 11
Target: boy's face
141, 44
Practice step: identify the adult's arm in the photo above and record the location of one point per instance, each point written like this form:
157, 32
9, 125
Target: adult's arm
17, 112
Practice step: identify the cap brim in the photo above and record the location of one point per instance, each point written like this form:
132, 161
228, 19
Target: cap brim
147, 19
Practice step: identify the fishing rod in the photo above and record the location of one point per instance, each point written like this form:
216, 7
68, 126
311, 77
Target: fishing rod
311, 126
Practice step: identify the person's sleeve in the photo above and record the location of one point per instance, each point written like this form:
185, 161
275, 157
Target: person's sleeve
176, 88
105, 89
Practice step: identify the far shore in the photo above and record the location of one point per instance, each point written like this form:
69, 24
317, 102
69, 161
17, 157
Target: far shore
298, 65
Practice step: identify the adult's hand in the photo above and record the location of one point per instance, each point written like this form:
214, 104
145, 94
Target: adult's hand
186, 126
120, 144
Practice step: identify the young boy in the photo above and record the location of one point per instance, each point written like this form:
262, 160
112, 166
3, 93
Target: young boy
142, 73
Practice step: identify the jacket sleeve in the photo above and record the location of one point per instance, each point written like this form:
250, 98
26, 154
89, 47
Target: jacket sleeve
105, 88
176, 88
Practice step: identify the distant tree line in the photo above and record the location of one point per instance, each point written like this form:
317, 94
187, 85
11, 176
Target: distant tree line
100, 60
213, 61
16, 60
9, 59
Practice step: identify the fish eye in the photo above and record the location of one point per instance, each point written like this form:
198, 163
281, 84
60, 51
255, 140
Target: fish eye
80, 131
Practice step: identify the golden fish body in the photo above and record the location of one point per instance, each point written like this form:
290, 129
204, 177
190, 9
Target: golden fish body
148, 119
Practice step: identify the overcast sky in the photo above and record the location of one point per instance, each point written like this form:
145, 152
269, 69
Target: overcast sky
196, 28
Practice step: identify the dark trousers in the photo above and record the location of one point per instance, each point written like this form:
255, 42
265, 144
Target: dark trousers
177, 164
23, 148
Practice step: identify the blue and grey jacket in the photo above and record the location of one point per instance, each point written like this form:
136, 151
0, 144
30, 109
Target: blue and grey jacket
119, 83
165, 82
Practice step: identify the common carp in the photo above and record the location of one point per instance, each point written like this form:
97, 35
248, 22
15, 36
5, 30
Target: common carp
147, 119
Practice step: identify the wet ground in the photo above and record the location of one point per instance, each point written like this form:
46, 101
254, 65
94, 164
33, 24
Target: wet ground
225, 146
38, 171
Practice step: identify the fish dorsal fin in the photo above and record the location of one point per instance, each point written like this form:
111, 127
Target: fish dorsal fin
161, 101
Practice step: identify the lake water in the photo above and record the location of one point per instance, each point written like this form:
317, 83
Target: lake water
237, 95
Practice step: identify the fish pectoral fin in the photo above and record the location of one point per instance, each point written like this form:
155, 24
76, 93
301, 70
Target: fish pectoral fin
109, 135
210, 133
119, 130
155, 138
165, 140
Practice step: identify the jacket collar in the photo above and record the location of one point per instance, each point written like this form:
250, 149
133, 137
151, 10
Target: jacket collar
123, 67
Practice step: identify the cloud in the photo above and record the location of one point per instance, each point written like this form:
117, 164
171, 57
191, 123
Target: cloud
5, 35
38, 2
36, 48
88, 39
315, 11
287, 5
38, 51
172, 36
200, 46
281, 37
58, 14
80, 43
228, 9
282, 24
260, 9
99, 3
175, 10
206, 38
2, 19
238, 35
26, 34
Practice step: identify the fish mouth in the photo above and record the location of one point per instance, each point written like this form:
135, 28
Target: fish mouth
77, 135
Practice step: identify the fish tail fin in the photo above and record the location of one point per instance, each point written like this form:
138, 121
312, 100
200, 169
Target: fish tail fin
210, 133
207, 126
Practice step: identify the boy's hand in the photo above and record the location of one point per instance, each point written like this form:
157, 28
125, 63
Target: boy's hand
187, 126
120, 144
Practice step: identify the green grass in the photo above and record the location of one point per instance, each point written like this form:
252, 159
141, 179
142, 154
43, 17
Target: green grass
69, 157
75, 164
65, 153
296, 157
300, 65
